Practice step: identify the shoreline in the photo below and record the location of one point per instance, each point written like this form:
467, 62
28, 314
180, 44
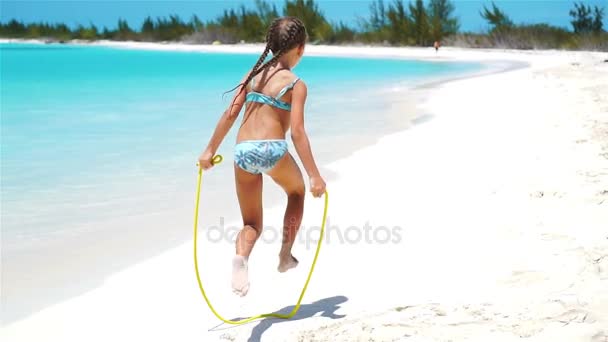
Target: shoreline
352, 51
129, 279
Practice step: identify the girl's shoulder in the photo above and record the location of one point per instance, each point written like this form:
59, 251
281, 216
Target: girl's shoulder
293, 78
286, 79
287, 74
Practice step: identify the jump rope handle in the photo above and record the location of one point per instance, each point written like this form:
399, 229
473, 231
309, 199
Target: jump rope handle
216, 160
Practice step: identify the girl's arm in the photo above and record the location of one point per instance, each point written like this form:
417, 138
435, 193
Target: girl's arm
300, 139
223, 126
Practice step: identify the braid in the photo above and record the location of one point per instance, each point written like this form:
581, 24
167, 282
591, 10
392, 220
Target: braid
256, 68
283, 35
257, 65
284, 45
273, 61
292, 31
251, 74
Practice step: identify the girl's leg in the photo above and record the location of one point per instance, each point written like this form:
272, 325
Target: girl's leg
249, 193
287, 174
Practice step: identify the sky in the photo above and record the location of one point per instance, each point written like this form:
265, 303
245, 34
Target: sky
106, 13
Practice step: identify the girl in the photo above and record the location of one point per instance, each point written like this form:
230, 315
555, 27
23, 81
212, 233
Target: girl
275, 100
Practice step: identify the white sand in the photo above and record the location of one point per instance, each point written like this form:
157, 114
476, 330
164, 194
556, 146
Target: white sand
496, 200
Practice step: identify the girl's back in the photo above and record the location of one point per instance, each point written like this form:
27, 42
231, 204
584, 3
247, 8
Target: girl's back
266, 113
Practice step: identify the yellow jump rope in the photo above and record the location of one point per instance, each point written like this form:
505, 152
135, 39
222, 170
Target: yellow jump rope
216, 160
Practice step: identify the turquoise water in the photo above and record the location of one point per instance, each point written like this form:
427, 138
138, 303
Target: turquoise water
93, 133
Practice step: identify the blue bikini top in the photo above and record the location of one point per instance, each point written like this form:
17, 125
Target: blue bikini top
254, 96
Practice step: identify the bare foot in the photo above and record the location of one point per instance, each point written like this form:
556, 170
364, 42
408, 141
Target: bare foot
240, 278
287, 263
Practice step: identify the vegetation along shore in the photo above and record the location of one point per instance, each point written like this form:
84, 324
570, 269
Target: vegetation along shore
396, 23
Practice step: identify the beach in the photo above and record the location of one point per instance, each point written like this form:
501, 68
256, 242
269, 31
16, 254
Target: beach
483, 220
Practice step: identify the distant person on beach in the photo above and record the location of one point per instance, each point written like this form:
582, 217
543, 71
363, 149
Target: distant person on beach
275, 100
436, 45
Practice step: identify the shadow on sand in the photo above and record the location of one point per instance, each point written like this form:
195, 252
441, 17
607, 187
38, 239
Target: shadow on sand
324, 308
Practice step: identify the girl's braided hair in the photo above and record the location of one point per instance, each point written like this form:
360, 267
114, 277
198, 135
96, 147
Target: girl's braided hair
283, 35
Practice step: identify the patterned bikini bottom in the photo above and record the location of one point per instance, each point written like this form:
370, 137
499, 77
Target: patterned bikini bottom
259, 156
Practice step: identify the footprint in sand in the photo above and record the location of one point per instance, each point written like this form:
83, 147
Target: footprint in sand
240, 278
601, 336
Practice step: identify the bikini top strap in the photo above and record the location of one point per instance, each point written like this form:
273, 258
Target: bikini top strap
287, 88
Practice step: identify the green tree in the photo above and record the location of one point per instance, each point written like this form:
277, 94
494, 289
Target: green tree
399, 23
378, 18
33, 31
147, 26
586, 19
179, 28
148, 30
172, 28
342, 33
229, 19
124, 32
61, 32
308, 11
441, 19
420, 21
86, 33
196, 24
266, 12
582, 20
598, 25
376, 27
227, 24
251, 27
107, 34
15, 28
496, 18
